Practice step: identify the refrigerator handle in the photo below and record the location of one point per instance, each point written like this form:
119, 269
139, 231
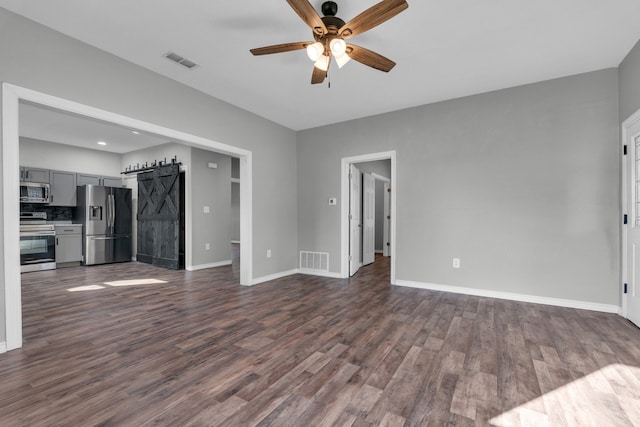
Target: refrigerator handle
109, 213
113, 213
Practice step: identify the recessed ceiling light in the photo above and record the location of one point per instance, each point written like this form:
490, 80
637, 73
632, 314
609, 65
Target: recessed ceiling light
136, 132
102, 143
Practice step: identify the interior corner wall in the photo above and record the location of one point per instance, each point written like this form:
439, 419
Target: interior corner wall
521, 184
38, 58
630, 83
210, 188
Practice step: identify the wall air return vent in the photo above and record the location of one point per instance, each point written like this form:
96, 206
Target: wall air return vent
314, 261
180, 60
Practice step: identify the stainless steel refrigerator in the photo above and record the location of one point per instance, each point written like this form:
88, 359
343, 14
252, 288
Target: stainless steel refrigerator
106, 215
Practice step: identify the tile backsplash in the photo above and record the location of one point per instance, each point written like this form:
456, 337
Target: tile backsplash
54, 213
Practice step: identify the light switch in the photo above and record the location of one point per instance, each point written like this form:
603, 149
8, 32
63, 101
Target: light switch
206, 209
333, 201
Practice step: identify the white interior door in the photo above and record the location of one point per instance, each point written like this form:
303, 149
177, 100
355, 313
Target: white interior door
355, 225
633, 224
368, 219
386, 229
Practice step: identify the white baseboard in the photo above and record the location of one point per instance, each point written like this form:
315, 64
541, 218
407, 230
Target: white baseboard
235, 241
3, 347
258, 280
559, 302
320, 273
379, 252
212, 265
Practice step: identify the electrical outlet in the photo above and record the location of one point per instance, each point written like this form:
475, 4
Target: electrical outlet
456, 263
268, 253
207, 246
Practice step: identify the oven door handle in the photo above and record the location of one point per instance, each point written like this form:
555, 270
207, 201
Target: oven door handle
103, 238
37, 233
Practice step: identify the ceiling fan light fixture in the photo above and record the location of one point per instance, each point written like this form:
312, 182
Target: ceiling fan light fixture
322, 63
342, 59
315, 51
338, 47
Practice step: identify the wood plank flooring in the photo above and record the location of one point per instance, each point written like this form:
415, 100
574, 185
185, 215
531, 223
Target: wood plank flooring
134, 345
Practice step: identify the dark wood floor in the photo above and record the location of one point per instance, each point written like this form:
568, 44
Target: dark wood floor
130, 344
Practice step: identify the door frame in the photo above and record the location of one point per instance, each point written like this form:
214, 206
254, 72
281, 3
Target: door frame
344, 211
11, 96
625, 136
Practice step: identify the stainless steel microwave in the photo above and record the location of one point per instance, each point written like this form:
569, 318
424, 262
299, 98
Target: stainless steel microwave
35, 192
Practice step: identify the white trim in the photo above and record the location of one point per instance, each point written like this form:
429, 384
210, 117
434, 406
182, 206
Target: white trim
11, 95
11, 214
344, 209
275, 276
3, 347
559, 302
235, 241
211, 265
235, 180
379, 177
626, 126
328, 274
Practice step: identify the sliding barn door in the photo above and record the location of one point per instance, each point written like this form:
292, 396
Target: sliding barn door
159, 216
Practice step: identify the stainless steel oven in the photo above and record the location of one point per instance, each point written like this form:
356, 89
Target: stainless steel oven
37, 243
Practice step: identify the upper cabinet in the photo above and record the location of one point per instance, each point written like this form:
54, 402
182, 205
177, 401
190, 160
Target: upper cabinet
29, 174
86, 179
63, 188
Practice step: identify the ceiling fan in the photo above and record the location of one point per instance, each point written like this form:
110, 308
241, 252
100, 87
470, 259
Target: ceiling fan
330, 33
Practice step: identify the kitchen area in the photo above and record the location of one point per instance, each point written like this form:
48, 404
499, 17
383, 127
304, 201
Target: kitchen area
69, 219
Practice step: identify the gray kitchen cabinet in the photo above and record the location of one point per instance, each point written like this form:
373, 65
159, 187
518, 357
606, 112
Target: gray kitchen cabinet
68, 245
63, 188
86, 179
111, 181
29, 174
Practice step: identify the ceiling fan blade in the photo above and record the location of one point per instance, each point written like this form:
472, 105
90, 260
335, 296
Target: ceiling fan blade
318, 76
370, 58
279, 48
305, 10
372, 17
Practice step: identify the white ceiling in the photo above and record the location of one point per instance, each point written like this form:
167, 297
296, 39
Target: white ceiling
444, 49
52, 125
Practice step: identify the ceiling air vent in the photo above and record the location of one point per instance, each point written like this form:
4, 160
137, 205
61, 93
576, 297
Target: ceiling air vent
180, 60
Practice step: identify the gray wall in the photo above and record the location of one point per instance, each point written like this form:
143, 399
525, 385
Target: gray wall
210, 187
630, 83
521, 184
382, 168
38, 58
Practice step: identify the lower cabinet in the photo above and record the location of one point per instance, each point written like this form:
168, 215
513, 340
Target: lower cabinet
68, 245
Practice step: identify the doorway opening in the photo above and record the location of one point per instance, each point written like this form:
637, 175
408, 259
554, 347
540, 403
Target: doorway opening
367, 194
11, 97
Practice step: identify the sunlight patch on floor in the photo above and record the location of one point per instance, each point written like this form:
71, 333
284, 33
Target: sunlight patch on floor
85, 288
118, 283
136, 282
609, 396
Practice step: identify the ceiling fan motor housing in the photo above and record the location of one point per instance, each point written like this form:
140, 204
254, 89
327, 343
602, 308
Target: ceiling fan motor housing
329, 8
